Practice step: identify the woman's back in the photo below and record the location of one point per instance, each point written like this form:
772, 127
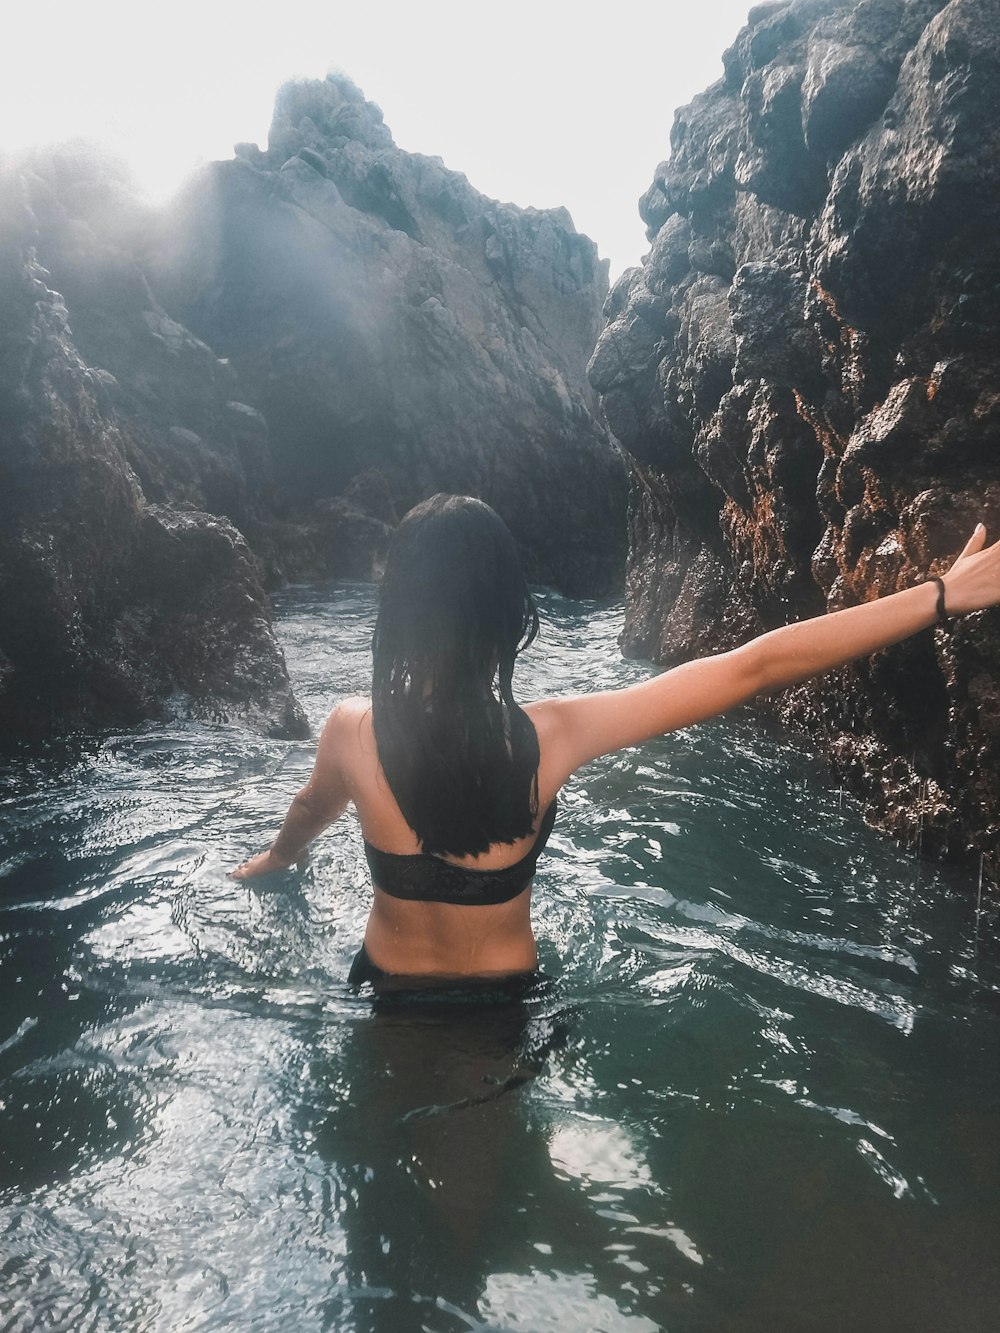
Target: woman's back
442, 760
485, 928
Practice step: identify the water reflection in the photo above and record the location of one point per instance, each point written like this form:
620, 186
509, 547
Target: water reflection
419, 1114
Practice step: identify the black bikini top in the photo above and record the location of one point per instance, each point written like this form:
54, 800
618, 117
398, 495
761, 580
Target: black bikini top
424, 878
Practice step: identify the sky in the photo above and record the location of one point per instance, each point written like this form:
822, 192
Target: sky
553, 102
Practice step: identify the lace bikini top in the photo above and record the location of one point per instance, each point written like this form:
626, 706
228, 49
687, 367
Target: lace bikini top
429, 879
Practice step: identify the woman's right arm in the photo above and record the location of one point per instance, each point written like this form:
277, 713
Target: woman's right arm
321, 800
579, 729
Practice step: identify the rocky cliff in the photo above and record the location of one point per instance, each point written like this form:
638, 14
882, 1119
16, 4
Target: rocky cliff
255, 384
388, 317
113, 602
804, 373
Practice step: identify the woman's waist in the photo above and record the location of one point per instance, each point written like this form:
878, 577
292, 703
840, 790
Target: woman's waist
436, 939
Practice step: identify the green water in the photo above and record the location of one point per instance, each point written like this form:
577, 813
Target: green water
764, 1092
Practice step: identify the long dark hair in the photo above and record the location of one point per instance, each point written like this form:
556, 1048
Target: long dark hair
460, 756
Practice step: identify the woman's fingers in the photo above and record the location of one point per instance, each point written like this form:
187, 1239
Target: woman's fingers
973, 581
975, 543
256, 865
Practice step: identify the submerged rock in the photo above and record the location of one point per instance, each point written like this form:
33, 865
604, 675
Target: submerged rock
804, 375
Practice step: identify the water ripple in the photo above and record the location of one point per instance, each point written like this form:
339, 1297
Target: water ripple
769, 1026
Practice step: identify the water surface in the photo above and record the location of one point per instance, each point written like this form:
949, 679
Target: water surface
763, 1094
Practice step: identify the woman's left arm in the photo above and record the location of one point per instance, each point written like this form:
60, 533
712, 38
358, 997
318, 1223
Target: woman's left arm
796, 652
580, 728
321, 800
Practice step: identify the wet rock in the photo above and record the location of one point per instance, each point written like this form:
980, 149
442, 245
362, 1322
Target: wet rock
111, 609
189, 412
387, 316
812, 411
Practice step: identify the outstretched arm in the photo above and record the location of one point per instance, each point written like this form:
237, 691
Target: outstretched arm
320, 801
579, 729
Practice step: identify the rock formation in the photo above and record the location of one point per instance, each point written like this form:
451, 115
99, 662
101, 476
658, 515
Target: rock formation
388, 317
253, 386
804, 373
109, 604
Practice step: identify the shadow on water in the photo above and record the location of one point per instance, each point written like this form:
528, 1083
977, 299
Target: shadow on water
421, 1119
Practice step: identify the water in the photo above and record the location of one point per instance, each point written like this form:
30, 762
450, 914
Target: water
764, 1093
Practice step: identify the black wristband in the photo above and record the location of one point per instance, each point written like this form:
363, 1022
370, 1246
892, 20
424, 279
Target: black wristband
942, 613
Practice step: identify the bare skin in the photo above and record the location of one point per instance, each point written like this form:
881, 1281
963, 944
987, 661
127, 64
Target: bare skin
441, 939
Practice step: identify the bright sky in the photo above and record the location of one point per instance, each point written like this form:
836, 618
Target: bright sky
541, 102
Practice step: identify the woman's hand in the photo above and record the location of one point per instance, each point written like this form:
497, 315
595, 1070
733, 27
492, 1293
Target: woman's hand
261, 864
973, 582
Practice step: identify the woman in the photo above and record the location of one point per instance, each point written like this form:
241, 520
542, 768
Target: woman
455, 785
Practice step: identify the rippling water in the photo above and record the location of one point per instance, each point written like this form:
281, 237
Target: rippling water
764, 1093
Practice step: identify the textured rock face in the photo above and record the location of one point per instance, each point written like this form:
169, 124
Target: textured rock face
389, 317
804, 372
113, 608
254, 388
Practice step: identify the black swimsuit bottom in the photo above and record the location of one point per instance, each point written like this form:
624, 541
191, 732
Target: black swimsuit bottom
429, 879
404, 990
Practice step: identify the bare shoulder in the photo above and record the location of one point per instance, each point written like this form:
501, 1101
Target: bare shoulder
354, 709
549, 718
347, 729
544, 714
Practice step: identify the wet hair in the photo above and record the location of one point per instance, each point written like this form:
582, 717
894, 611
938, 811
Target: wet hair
460, 756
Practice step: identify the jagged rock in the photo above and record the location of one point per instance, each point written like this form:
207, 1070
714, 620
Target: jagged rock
383, 314
111, 609
343, 536
804, 371
352, 328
